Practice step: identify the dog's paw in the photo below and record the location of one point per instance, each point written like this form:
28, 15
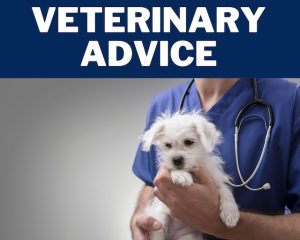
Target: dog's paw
229, 213
182, 178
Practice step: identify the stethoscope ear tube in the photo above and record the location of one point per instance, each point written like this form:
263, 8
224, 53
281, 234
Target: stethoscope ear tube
244, 183
237, 125
255, 102
180, 108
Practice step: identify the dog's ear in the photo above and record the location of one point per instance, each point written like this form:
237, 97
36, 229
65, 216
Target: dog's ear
208, 133
151, 135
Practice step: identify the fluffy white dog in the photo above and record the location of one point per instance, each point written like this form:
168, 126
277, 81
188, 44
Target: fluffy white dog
184, 141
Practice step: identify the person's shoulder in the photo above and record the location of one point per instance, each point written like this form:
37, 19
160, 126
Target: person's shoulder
172, 92
281, 92
171, 97
278, 84
167, 101
284, 96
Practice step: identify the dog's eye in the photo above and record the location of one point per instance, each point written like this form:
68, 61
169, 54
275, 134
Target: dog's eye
168, 145
188, 142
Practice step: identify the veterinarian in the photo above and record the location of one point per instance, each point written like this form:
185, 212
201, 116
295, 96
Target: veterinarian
275, 187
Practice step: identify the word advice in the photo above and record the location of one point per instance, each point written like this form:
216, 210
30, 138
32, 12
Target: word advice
162, 20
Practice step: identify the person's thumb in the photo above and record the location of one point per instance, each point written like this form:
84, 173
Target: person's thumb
202, 175
148, 223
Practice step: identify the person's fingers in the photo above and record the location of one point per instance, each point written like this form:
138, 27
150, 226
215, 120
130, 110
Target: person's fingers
148, 223
159, 194
202, 175
163, 179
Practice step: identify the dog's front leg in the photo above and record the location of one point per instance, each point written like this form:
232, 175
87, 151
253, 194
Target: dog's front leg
161, 213
181, 178
161, 234
229, 212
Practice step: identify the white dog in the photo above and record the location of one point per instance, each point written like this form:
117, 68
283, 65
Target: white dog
184, 141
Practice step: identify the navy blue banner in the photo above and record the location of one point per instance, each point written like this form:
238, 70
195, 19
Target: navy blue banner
149, 38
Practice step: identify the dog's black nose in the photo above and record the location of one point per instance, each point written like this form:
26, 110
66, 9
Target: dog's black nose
178, 161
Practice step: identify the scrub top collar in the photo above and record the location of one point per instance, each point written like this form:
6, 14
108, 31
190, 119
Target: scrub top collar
194, 99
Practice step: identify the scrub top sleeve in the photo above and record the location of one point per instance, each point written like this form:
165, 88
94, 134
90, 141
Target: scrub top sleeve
293, 188
144, 165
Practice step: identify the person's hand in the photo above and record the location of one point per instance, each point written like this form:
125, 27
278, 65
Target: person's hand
196, 205
142, 225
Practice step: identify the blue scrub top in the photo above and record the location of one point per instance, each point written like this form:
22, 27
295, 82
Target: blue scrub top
281, 164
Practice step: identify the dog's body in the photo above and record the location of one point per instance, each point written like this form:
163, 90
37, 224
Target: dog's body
184, 142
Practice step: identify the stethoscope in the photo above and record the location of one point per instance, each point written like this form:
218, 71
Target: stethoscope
237, 126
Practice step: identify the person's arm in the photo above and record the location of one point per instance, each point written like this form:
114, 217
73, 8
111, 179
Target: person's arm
257, 226
198, 206
141, 224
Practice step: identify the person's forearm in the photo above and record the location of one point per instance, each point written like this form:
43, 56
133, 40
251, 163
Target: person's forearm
144, 197
141, 223
256, 226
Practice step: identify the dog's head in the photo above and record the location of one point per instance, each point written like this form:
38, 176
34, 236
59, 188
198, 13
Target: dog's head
182, 138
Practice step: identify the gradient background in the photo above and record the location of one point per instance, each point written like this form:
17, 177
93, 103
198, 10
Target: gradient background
66, 150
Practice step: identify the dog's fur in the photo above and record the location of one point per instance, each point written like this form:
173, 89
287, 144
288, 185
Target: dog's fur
185, 141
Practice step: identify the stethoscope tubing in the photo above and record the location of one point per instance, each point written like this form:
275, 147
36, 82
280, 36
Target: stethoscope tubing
237, 126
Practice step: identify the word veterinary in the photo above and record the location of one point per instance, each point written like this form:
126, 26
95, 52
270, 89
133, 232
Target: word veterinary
154, 20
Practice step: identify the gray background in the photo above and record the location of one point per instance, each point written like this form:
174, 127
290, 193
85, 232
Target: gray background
66, 150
